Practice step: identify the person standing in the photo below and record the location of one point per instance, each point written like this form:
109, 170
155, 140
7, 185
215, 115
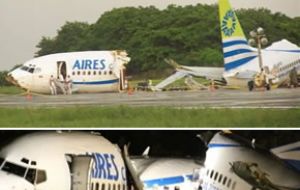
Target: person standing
61, 84
52, 86
68, 85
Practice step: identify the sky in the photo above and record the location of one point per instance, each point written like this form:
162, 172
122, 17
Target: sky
24, 23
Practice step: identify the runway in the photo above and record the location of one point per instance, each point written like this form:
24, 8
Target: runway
222, 98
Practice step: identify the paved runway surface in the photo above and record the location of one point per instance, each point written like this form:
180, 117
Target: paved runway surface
277, 98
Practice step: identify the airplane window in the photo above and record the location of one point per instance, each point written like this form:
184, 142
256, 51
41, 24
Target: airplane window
30, 176
207, 172
24, 68
109, 186
224, 180
119, 186
1, 161
95, 72
78, 72
216, 176
212, 174
124, 187
33, 163
41, 176
103, 186
220, 178
92, 186
14, 169
229, 183
97, 186
114, 186
73, 73
99, 73
110, 72
104, 72
25, 160
233, 185
37, 70
89, 72
31, 70
83, 73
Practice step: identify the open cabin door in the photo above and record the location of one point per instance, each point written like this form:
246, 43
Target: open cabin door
122, 80
61, 69
80, 169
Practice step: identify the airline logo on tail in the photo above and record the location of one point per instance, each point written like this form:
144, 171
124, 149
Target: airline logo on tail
236, 50
228, 24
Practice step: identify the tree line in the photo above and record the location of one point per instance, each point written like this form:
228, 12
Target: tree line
188, 34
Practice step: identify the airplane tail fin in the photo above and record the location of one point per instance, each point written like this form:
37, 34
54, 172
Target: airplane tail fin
236, 50
289, 153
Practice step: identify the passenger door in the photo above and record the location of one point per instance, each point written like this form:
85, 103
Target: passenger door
81, 172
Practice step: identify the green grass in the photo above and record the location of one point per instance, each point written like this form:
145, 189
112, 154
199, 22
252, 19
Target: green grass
10, 90
123, 116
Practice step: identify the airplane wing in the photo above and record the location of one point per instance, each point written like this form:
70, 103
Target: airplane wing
289, 153
215, 73
137, 182
169, 80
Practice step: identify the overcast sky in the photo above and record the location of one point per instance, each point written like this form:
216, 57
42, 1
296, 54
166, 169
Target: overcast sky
23, 23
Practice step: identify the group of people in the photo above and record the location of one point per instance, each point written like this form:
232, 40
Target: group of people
63, 85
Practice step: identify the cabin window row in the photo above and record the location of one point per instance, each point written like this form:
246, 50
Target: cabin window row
293, 64
220, 178
107, 186
92, 73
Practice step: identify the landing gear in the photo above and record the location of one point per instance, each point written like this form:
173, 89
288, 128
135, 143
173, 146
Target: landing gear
268, 87
251, 85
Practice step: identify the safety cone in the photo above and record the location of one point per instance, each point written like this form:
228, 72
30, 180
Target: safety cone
212, 86
130, 91
28, 95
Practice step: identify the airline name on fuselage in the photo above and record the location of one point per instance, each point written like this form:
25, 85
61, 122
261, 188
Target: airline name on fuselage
105, 168
89, 64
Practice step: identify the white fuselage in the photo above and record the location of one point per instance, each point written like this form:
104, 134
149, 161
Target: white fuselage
279, 62
91, 71
168, 173
61, 161
223, 152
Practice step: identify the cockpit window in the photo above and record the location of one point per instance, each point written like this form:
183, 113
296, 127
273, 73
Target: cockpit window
14, 169
31, 70
41, 176
1, 161
25, 160
24, 68
37, 70
30, 176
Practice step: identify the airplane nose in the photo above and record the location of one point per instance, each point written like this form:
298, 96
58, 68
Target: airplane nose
9, 78
12, 182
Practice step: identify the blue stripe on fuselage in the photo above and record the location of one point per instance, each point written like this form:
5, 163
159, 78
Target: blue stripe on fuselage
212, 145
166, 181
279, 50
98, 82
293, 163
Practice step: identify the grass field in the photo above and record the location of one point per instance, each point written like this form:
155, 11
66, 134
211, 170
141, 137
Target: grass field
123, 116
10, 90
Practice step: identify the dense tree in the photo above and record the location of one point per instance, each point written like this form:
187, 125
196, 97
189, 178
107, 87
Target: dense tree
3, 81
189, 34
